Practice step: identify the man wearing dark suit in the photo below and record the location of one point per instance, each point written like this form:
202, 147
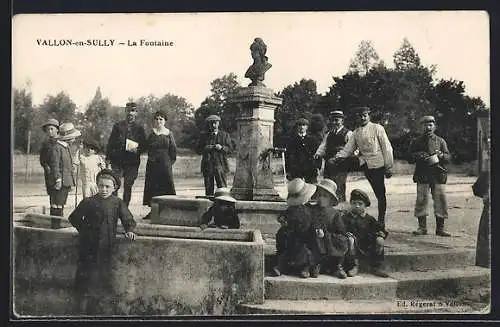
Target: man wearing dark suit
299, 155
214, 147
125, 160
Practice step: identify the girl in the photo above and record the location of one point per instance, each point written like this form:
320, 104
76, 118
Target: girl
90, 164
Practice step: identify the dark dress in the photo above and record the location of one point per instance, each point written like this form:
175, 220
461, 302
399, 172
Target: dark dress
481, 188
96, 220
221, 217
162, 153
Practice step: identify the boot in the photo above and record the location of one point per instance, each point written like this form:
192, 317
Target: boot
354, 270
315, 271
304, 273
440, 227
339, 272
378, 271
422, 226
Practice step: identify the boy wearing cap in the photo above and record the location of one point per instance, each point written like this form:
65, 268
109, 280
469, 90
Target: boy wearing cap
375, 156
96, 219
90, 164
336, 138
51, 129
299, 155
430, 154
125, 144
365, 236
294, 235
60, 162
328, 242
222, 213
214, 146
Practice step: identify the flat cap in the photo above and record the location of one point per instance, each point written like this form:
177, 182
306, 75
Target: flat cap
427, 119
357, 194
336, 114
108, 173
51, 122
213, 118
131, 105
302, 121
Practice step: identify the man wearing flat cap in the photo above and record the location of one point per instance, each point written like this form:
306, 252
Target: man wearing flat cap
214, 146
299, 155
335, 139
375, 156
126, 143
430, 154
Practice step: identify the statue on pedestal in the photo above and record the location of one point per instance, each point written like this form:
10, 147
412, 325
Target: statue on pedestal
260, 64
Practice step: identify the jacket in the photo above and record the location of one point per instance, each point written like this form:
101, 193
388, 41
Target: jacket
214, 160
299, 155
419, 149
61, 165
115, 151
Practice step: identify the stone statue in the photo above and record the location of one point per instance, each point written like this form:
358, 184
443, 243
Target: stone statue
260, 65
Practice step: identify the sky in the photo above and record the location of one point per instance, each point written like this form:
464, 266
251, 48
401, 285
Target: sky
315, 45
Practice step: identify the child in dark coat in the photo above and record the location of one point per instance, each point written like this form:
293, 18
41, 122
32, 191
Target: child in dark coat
292, 238
328, 242
222, 213
96, 220
365, 234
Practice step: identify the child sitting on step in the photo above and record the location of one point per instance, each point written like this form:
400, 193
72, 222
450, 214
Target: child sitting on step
222, 213
365, 235
328, 242
293, 254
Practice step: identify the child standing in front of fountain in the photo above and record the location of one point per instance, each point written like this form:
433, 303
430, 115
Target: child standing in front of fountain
222, 213
96, 219
90, 164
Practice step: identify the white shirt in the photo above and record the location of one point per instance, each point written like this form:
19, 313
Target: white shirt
373, 144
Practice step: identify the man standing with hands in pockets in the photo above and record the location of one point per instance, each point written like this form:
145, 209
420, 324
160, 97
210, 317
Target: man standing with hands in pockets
375, 156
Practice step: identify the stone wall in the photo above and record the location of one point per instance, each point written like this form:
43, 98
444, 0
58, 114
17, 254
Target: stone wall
180, 270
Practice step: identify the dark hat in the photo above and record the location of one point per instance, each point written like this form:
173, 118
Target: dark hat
92, 144
213, 118
108, 173
302, 121
336, 114
51, 122
357, 194
361, 110
131, 105
427, 119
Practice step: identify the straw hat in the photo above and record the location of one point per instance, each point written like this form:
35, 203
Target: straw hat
331, 187
299, 192
67, 131
336, 114
223, 194
213, 118
51, 122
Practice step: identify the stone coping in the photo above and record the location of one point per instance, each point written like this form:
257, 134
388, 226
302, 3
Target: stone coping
175, 201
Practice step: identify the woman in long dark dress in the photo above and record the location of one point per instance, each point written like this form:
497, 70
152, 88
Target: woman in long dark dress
162, 153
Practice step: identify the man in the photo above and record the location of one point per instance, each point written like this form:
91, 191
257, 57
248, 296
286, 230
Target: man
430, 153
299, 155
375, 156
336, 138
125, 145
214, 147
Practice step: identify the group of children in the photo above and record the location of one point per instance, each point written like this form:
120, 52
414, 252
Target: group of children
315, 237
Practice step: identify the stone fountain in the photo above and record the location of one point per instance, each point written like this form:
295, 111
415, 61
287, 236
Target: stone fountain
259, 202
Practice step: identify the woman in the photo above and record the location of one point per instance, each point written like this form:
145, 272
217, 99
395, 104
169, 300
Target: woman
162, 153
481, 188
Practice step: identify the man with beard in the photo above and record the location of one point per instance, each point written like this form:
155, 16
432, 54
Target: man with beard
125, 144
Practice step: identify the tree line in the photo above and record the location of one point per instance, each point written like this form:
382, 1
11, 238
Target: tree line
398, 97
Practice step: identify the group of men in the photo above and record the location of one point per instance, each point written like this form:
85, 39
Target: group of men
368, 149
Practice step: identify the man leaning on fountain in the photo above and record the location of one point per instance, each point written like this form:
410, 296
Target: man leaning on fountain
214, 146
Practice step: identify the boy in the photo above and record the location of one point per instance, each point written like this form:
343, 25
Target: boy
96, 220
430, 153
293, 237
328, 242
365, 236
51, 129
222, 213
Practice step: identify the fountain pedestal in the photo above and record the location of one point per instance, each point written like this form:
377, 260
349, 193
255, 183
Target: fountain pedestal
253, 179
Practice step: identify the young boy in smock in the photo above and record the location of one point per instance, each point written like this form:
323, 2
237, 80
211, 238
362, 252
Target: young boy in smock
222, 214
365, 234
96, 219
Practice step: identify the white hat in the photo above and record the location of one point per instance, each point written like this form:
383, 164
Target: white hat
67, 131
223, 194
331, 187
299, 192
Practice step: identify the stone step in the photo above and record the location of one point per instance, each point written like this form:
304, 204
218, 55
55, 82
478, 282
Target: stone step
445, 282
340, 307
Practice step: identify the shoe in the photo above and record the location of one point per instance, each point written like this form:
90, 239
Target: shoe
440, 227
315, 271
352, 272
422, 226
340, 273
379, 272
304, 274
442, 233
276, 272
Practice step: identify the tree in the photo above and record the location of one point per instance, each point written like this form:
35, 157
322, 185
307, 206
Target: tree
365, 58
24, 116
406, 57
60, 107
97, 123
